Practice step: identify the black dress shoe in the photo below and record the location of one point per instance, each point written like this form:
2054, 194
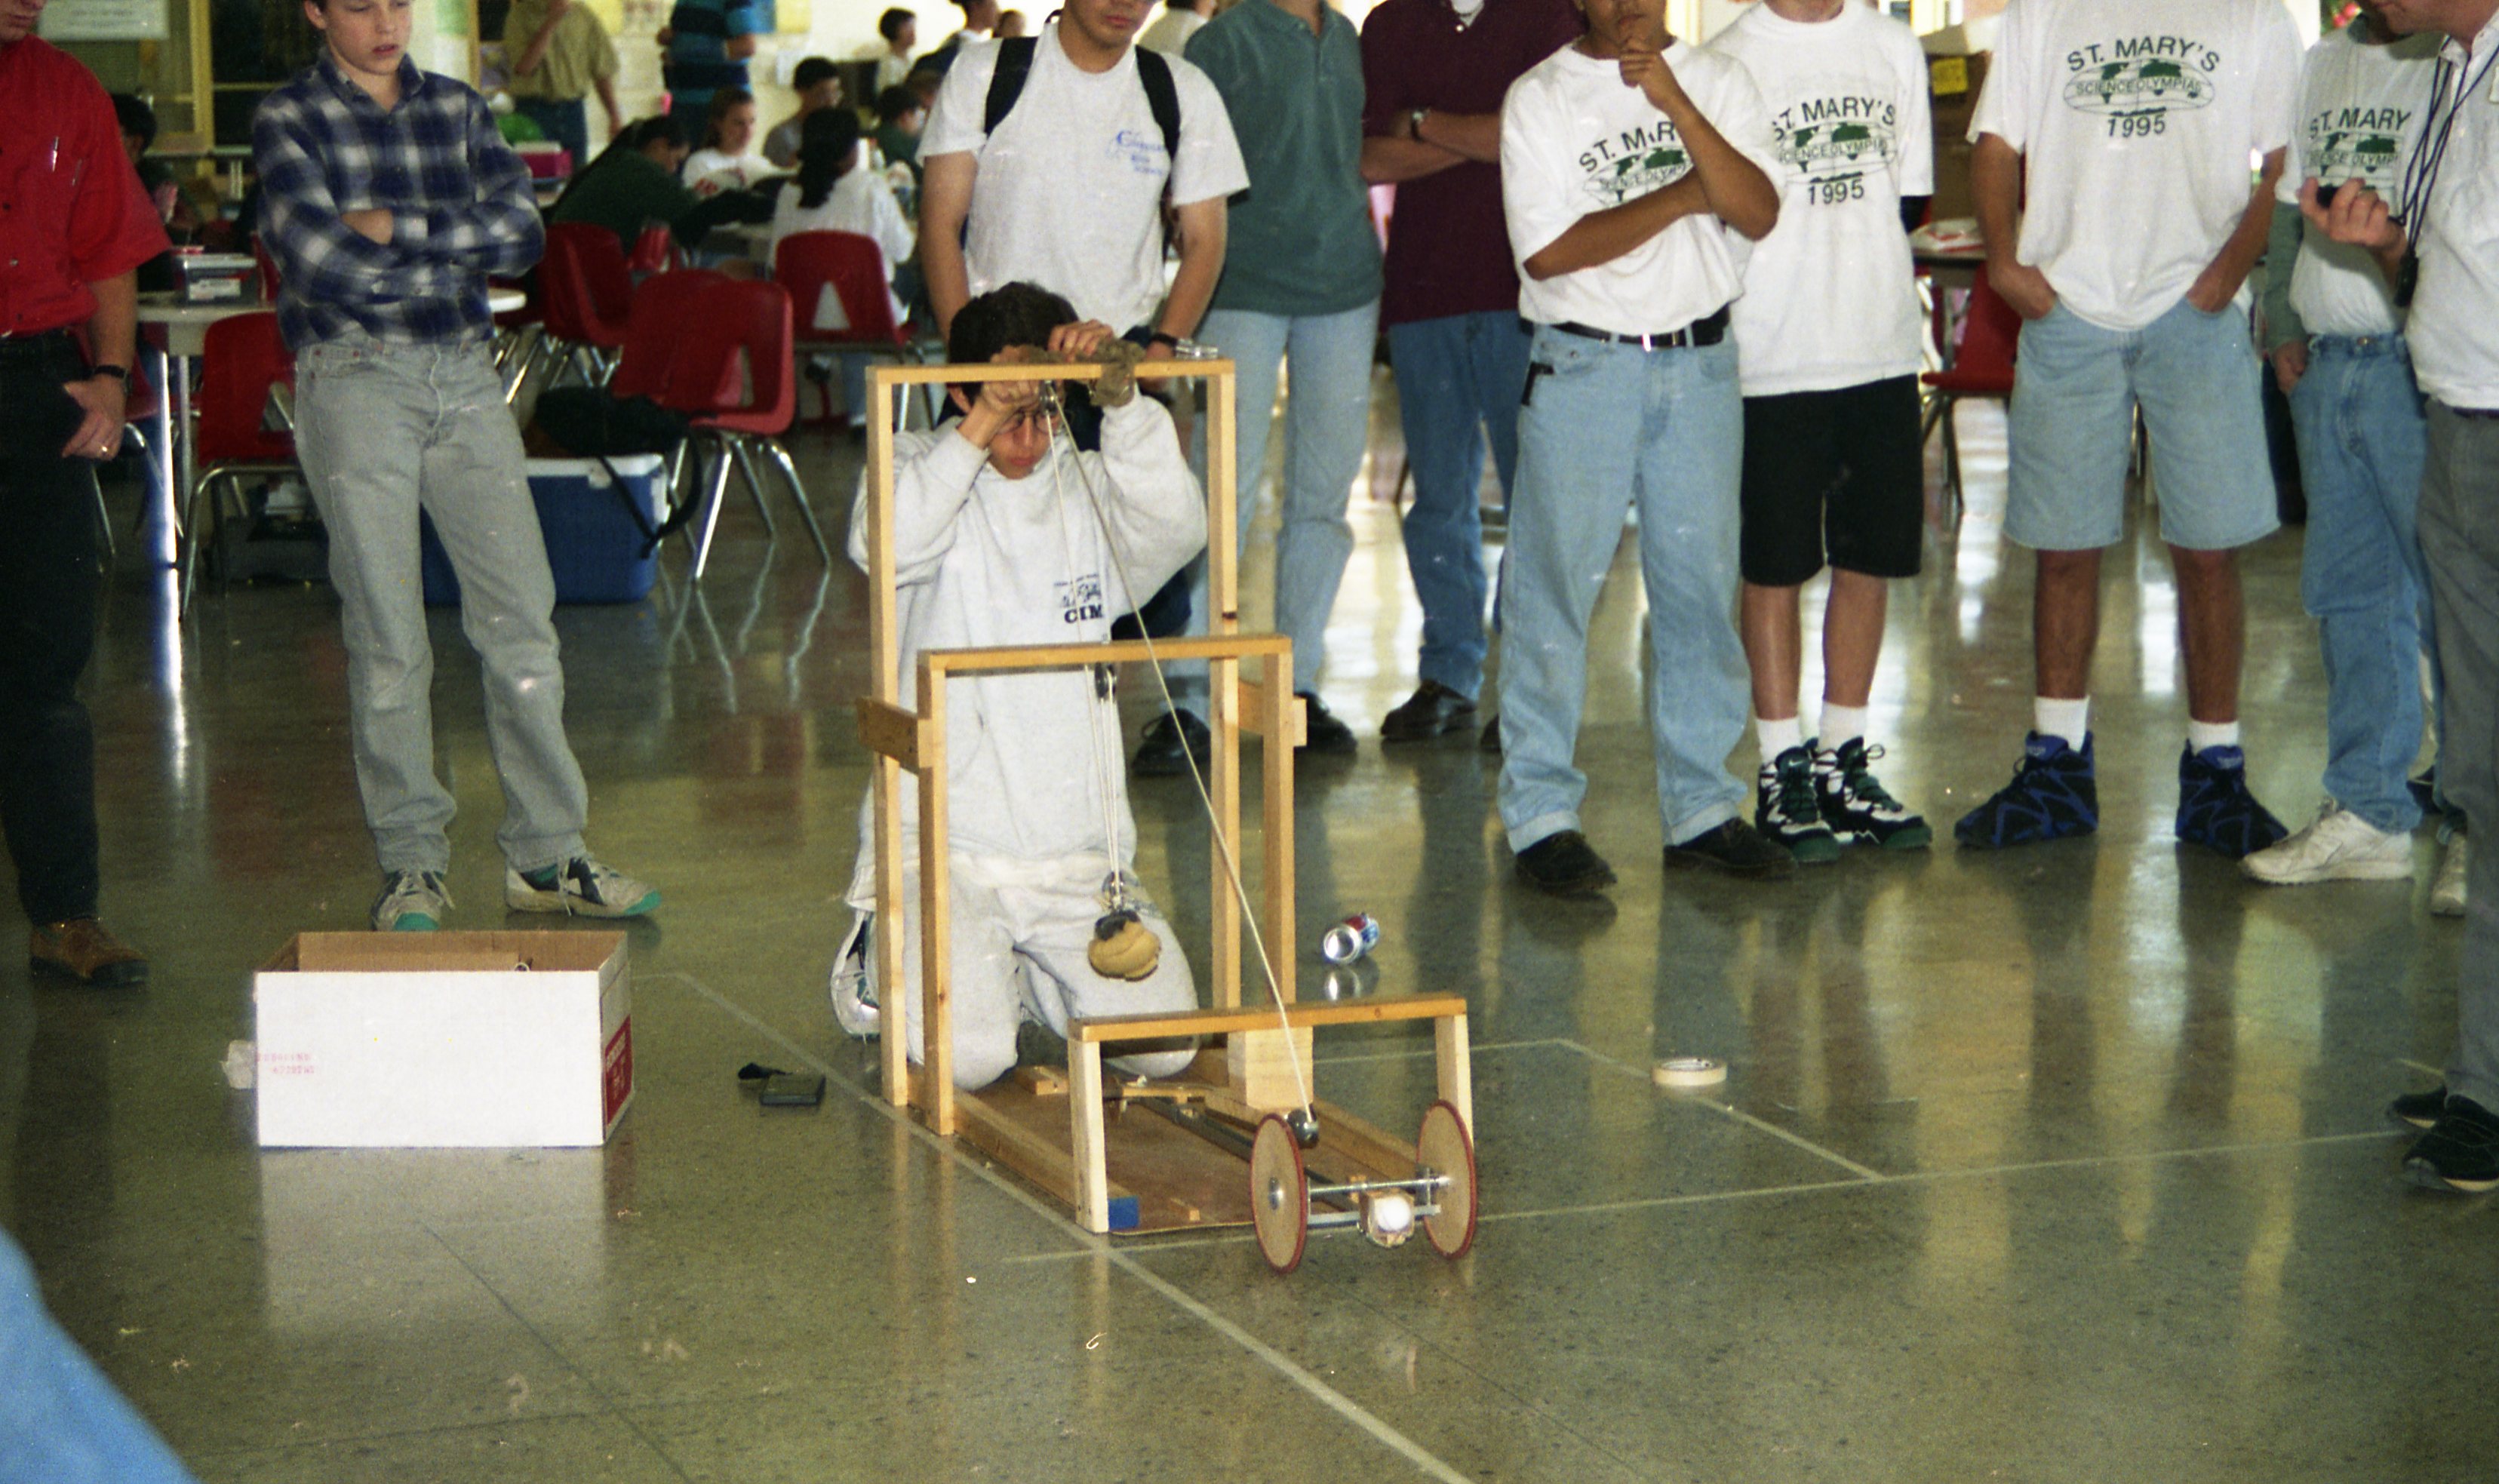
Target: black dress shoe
1326, 735
1564, 865
1433, 710
1160, 754
1735, 849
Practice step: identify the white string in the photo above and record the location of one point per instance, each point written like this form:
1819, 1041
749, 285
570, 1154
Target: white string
1107, 776
1052, 402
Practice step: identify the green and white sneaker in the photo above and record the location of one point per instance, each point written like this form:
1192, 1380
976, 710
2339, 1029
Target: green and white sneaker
579, 887
1856, 808
1785, 810
412, 902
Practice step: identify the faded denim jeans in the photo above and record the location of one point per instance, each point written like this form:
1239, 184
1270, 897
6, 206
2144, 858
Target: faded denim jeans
384, 431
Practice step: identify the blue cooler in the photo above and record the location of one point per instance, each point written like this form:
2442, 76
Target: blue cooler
595, 545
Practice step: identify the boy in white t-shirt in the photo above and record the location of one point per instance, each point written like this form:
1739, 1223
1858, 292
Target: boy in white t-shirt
2136, 120
1068, 192
1830, 339
998, 540
1629, 163
2338, 351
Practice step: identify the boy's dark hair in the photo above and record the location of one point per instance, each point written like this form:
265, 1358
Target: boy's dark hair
136, 117
889, 24
894, 102
1011, 314
826, 143
653, 130
812, 70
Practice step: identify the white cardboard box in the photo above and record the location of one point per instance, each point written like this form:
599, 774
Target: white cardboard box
444, 1040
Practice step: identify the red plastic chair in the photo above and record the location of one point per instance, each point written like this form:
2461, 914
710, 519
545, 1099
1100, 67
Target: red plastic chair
655, 251
665, 309
853, 268
1982, 365
740, 321
586, 293
241, 360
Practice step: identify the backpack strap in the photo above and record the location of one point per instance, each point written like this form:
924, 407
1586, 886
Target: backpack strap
1015, 66
1006, 85
1153, 70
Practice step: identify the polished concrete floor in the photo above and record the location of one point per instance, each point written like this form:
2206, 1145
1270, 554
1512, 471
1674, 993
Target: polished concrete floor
2058, 1164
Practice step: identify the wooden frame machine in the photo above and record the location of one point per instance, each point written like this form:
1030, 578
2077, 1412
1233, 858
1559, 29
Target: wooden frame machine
1175, 1162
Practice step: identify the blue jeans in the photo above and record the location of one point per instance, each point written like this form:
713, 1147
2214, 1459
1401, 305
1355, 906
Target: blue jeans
566, 122
61, 1421
1327, 418
2361, 445
1606, 427
1458, 381
382, 429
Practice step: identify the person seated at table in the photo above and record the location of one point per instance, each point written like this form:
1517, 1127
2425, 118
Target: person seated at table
819, 85
900, 115
633, 186
900, 30
727, 161
1005, 535
837, 193
175, 206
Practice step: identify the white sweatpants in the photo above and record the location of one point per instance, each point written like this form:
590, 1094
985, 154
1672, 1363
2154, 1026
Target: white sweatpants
1020, 933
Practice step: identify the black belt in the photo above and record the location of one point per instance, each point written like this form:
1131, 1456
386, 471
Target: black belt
1708, 331
43, 343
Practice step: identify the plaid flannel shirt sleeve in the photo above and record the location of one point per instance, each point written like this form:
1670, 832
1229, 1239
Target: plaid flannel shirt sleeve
331, 260
497, 232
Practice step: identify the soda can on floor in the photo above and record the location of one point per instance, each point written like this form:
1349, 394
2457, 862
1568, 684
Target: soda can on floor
1352, 939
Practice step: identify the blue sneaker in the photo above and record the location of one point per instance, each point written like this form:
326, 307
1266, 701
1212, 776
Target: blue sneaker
2216, 810
2055, 793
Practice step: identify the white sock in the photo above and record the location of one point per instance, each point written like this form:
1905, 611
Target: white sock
1778, 736
2204, 735
1840, 724
2070, 719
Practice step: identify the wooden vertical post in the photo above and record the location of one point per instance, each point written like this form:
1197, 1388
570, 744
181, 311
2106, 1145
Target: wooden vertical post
1224, 680
1456, 1070
884, 644
936, 934
1276, 818
1084, 1120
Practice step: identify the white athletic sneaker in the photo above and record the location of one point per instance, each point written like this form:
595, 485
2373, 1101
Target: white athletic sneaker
854, 1006
417, 901
579, 887
2446, 892
2341, 846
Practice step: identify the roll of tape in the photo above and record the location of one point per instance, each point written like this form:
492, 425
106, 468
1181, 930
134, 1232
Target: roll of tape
1689, 1072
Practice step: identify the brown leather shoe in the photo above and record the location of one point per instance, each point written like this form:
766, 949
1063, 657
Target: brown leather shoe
80, 948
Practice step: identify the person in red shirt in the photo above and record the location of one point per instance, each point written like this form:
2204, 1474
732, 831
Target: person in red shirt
73, 228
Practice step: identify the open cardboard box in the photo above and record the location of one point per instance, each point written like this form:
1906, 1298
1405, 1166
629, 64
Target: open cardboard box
491, 1040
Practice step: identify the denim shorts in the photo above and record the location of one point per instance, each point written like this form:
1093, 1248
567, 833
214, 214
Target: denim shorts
2076, 386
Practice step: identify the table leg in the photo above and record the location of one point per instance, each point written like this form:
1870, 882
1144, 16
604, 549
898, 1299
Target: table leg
169, 543
180, 493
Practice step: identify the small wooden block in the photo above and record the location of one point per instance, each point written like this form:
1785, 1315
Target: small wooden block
1043, 1082
1260, 1064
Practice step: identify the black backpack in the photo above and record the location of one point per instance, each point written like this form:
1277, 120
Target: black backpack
1154, 71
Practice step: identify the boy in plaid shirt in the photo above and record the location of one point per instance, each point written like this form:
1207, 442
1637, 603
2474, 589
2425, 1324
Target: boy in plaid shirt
388, 198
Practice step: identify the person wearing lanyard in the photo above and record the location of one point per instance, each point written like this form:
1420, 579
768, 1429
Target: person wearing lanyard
2443, 250
2339, 354
73, 228
1628, 171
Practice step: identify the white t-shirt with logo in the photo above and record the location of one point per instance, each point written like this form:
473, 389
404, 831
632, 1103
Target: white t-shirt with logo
2138, 119
2360, 111
1829, 296
2454, 325
1576, 141
1069, 191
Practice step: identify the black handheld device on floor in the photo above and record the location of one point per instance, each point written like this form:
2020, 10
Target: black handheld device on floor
793, 1089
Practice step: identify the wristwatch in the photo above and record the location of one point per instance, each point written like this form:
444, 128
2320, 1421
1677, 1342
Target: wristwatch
120, 374
1415, 124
